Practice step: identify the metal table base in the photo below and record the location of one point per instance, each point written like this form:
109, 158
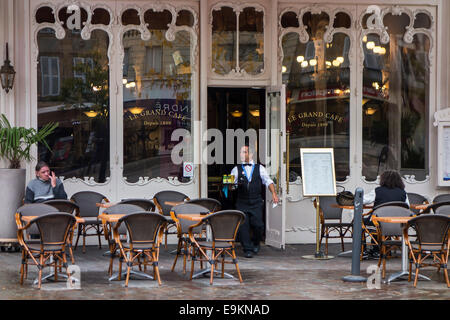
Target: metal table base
132, 272
404, 272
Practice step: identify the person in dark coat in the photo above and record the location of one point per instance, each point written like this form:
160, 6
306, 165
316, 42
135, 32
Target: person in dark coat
45, 187
250, 178
391, 188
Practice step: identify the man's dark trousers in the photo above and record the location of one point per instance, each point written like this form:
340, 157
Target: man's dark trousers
253, 221
249, 201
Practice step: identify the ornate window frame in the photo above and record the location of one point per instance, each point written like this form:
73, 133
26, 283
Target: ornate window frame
237, 72
115, 30
356, 60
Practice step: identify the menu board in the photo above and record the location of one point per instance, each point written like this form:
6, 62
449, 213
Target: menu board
318, 174
446, 150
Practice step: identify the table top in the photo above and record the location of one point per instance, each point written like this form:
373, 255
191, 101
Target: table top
110, 204
29, 218
191, 216
392, 219
110, 217
412, 206
351, 207
105, 205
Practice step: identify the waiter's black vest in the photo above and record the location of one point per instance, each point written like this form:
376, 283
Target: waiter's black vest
249, 191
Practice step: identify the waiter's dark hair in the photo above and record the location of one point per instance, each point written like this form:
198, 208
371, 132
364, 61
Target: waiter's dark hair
391, 179
41, 164
250, 148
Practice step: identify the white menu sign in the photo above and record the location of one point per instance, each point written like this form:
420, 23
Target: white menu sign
446, 149
318, 174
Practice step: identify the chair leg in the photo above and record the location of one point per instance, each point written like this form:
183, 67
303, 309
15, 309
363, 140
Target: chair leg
84, 239
192, 262
236, 264
55, 261
184, 256
155, 268
99, 233
212, 266
419, 261
80, 227
176, 256
445, 271
41, 266
22, 267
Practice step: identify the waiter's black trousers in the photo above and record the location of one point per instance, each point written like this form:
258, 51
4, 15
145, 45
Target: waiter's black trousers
253, 221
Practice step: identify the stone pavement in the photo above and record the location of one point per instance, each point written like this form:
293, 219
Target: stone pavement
272, 274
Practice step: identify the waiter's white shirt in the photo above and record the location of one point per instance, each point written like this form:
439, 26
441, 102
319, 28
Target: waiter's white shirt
248, 169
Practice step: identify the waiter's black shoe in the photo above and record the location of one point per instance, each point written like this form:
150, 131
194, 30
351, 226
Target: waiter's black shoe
248, 254
256, 249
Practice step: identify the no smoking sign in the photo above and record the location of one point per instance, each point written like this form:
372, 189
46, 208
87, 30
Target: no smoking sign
188, 169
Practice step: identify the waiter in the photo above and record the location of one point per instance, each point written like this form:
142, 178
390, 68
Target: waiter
250, 177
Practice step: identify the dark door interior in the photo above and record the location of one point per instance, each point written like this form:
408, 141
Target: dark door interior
232, 108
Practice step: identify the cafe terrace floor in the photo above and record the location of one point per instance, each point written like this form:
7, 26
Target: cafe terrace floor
272, 274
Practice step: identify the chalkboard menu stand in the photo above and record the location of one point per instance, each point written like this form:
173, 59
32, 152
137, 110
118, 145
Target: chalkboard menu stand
319, 179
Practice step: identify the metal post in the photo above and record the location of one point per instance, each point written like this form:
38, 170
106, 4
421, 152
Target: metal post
357, 231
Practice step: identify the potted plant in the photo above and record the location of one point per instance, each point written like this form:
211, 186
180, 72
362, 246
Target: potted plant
15, 147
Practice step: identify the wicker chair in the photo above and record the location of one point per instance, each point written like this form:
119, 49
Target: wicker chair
331, 221
32, 234
68, 207
54, 229
389, 233
119, 208
371, 231
224, 227
441, 198
211, 204
145, 204
432, 241
87, 200
145, 230
440, 207
160, 199
184, 242
415, 198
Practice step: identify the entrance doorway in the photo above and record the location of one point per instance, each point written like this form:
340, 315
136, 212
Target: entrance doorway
233, 108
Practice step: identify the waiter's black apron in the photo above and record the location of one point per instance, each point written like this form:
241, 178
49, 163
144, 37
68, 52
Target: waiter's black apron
249, 201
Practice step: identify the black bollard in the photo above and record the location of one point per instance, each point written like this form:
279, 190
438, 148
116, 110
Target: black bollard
357, 231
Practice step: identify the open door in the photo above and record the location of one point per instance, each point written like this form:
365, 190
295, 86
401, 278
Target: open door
276, 164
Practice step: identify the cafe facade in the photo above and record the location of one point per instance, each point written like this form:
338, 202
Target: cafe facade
365, 78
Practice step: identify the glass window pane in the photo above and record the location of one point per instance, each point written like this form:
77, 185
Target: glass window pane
251, 40
155, 104
80, 144
395, 106
317, 78
224, 40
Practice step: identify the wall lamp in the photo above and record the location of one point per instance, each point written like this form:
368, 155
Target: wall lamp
7, 73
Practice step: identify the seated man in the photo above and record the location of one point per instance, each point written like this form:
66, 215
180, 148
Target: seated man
45, 187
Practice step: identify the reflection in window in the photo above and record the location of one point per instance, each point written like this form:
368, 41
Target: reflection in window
156, 101
251, 41
73, 90
317, 78
50, 76
395, 105
224, 40
225, 43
